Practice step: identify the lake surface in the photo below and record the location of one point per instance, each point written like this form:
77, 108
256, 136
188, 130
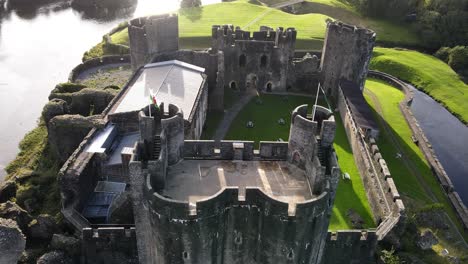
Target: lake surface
38, 49
449, 139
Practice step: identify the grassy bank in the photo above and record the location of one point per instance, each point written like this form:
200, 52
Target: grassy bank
350, 194
428, 73
35, 171
195, 23
418, 191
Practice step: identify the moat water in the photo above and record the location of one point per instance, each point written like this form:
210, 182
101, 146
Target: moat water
448, 137
38, 48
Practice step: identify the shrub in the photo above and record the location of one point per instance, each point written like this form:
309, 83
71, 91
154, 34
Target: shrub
458, 58
443, 54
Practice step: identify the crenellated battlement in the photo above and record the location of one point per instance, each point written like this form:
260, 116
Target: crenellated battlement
228, 36
341, 27
251, 198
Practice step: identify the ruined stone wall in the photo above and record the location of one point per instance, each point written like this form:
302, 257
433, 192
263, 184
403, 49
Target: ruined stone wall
346, 54
384, 199
304, 74
350, 247
152, 35
261, 61
109, 245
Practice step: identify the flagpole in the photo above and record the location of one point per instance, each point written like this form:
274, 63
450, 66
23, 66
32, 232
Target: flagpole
316, 99
149, 106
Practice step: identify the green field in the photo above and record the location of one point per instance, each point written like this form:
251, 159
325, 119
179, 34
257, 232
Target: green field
412, 189
350, 194
195, 23
428, 73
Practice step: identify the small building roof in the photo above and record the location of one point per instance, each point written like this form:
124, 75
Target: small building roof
171, 82
358, 105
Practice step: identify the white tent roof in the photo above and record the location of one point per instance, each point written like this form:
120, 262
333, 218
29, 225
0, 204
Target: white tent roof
172, 82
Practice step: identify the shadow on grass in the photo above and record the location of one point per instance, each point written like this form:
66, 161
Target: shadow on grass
408, 183
350, 193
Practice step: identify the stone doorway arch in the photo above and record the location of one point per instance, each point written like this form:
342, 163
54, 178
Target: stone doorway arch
251, 82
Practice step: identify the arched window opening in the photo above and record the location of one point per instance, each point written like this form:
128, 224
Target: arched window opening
242, 60
263, 61
269, 86
233, 85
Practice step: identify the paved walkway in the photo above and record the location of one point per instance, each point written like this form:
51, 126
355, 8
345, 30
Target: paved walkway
230, 115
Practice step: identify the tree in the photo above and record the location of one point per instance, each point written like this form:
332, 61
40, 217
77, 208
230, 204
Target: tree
190, 3
458, 59
389, 257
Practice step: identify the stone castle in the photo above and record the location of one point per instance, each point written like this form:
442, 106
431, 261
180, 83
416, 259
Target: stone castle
144, 188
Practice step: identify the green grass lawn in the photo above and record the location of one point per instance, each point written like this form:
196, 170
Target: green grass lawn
265, 117
407, 184
350, 194
428, 73
195, 23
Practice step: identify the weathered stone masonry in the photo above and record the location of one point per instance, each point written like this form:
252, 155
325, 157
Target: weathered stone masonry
233, 226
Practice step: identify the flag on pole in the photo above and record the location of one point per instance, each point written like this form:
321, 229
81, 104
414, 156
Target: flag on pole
153, 100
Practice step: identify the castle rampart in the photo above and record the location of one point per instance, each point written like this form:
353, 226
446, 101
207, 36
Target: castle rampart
385, 202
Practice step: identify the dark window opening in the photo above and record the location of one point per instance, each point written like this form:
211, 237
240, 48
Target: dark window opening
242, 60
268, 87
185, 254
263, 61
233, 85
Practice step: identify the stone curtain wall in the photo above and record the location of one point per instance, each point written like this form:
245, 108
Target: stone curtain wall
226, 228
385, 202
350, 247
425, 147
109, 245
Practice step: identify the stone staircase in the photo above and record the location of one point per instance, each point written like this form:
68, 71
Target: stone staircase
156, 147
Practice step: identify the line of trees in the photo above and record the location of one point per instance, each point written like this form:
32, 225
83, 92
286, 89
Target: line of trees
439, 22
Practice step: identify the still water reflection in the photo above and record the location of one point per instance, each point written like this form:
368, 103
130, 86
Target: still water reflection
38, 48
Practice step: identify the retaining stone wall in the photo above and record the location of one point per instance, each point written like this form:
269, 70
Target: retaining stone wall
425, 146
97, 62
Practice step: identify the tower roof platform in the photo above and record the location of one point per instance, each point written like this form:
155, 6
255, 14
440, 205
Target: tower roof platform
194, 180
